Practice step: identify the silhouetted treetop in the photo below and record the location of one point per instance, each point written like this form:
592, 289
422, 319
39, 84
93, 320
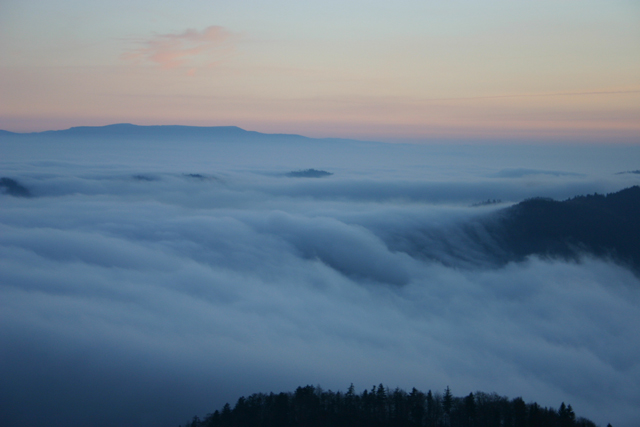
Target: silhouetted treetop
311, 406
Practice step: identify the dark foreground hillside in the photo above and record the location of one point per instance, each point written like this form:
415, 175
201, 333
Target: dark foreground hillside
381, 407
602, 225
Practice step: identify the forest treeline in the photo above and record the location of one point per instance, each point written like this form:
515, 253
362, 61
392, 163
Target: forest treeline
603, 225
381, 407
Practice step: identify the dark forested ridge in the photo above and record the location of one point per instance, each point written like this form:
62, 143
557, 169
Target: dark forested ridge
603, 225
381, 407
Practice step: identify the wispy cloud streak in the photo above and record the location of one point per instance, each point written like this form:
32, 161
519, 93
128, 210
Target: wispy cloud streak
542, 95
184, 49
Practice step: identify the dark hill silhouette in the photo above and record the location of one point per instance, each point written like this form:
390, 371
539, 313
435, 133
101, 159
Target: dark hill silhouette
602, 225
382, 407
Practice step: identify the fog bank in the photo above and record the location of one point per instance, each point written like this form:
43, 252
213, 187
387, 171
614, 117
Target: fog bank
144, 282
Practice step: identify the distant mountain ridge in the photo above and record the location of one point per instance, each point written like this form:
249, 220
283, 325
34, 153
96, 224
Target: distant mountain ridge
129, 130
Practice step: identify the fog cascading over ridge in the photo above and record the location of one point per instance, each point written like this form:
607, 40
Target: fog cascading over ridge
160, 279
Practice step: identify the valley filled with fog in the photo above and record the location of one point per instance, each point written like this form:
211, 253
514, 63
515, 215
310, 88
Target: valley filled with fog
163, 277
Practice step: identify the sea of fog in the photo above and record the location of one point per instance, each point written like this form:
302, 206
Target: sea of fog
147, 281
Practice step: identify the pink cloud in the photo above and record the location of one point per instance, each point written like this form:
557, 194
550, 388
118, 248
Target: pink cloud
188, 48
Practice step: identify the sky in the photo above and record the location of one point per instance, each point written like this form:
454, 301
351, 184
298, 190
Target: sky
149, 281
374, 70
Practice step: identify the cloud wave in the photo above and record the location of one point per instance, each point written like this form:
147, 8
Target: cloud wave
166, 297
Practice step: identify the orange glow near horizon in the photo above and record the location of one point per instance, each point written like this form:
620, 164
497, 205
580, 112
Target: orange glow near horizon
524, 72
